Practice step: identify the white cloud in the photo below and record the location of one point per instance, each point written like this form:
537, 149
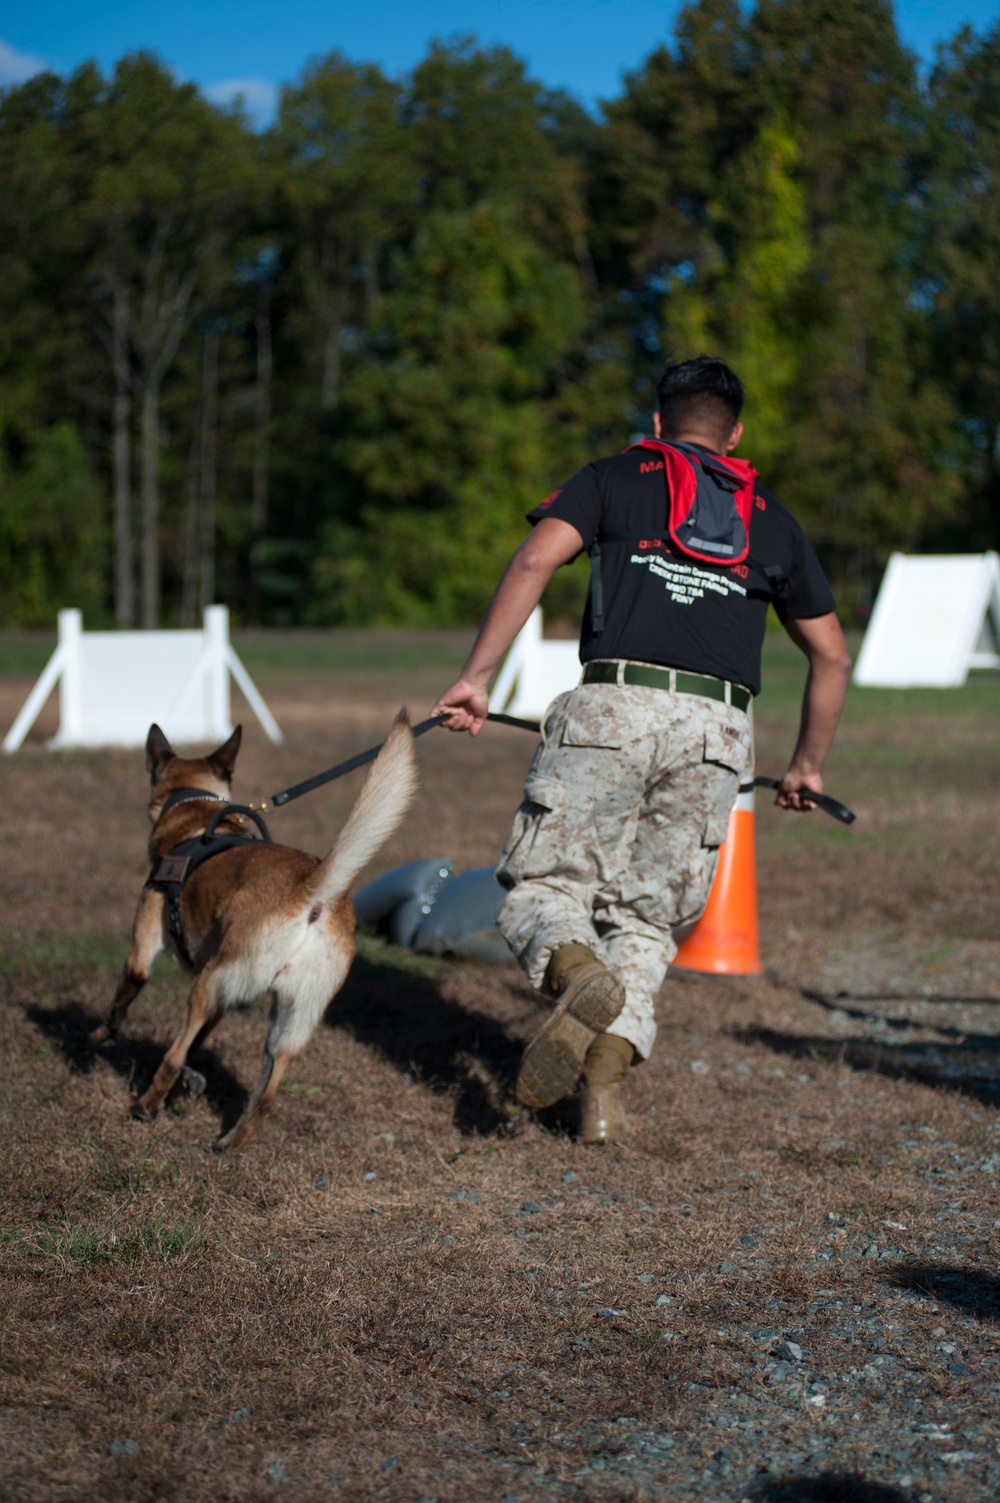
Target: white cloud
258, 96
16, 66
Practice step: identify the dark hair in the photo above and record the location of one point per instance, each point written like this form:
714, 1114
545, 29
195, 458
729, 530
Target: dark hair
702, 393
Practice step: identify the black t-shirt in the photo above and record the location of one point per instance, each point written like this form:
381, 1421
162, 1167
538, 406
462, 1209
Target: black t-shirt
661, 607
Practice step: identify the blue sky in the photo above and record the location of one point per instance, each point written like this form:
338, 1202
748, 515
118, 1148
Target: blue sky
225, 47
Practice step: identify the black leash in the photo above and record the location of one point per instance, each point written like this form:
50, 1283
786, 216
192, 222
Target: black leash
822, 801
363, 758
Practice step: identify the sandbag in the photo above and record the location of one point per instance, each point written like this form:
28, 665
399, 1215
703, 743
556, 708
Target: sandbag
461, 920
398, 901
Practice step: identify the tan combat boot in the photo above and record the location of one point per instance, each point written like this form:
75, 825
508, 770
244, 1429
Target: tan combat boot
603, 1118
589, 998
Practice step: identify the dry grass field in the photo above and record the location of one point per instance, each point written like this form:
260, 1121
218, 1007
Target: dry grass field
784, 1289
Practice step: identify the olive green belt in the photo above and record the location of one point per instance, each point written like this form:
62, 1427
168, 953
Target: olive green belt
609, 671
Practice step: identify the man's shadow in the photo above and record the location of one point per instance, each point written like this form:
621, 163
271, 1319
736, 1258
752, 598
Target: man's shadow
968, 1065
826, 1487
136, 1058
965, 1289
397, 1009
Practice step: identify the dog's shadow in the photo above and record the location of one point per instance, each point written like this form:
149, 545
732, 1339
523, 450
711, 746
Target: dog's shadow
398, 1010
135, 1058
389, 1004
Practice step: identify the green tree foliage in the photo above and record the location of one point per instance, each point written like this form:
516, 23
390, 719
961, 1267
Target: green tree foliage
458, 427
960, 257
469, 390
322, 371
45, 357
170, 185
349, 188
866, 419
791, 137
743, 302
52, 528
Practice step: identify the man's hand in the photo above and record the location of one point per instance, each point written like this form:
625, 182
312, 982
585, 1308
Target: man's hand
466, 704
790, 790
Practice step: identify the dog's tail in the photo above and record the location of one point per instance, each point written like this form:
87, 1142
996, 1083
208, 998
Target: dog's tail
378, 809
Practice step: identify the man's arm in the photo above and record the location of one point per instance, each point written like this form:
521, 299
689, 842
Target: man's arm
822, 641
550, 544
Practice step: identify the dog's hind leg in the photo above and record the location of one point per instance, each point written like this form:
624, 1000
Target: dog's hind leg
273, 1068
147, 942
301, 993
203, 1008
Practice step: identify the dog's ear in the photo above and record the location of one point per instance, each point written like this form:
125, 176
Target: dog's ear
223, 760
158, 752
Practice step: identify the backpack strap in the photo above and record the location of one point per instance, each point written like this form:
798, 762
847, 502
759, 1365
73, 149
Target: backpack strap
596, 587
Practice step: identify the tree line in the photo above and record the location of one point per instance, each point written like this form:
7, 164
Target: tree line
321, 371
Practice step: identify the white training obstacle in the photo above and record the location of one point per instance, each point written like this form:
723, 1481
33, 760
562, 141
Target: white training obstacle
114, 684
535, 671
936, 617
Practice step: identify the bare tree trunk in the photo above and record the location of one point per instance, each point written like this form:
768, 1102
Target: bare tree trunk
372, 289
191, 536
164, 314
150, 422
262, 448
331, 364
122, 445
209, 417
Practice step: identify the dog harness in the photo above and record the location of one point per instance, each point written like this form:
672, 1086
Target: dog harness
170, 872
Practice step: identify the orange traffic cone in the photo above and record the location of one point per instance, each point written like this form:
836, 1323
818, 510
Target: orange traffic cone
725, 941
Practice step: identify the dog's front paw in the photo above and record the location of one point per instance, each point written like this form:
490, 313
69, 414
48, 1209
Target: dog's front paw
101, 1035
140, 1113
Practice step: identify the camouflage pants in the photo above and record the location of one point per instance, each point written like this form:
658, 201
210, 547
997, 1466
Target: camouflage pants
625, 805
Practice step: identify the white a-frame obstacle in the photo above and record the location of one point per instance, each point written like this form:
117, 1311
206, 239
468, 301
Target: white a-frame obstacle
936, 617
114, 684
535, 671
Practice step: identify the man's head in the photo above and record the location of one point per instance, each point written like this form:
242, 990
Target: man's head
700, 400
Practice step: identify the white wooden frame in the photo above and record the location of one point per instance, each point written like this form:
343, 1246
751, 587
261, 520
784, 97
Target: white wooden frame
113, 685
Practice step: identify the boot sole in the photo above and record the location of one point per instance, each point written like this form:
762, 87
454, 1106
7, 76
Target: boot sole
553, 1061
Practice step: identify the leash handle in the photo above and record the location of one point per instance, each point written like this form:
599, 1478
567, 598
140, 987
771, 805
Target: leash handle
521, 725
831, 806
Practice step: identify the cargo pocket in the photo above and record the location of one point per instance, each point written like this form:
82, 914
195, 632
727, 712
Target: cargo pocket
717, 825
728, 751
533, 842
596, 718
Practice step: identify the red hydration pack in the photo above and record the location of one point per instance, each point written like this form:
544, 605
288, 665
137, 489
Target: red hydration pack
709, 501
709, 506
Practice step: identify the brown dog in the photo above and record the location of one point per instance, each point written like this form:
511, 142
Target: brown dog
256, 918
